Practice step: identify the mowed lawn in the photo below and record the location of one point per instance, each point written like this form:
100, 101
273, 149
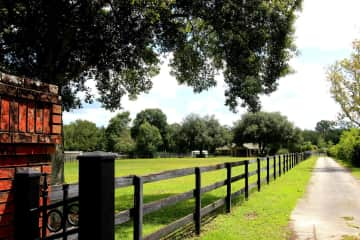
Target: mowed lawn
162, 189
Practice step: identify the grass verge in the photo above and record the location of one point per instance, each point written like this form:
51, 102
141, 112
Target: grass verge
355, 171
266, 214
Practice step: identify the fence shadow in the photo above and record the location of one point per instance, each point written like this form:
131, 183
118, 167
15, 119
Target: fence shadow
156, 220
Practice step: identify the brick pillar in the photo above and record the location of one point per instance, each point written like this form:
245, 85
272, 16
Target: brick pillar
30, 126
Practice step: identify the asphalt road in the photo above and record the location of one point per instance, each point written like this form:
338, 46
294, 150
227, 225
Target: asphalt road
330, 208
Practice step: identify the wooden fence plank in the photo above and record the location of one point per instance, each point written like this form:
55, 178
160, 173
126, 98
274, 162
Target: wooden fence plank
170, 228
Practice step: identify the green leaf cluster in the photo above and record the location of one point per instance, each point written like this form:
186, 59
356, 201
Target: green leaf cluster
119, 45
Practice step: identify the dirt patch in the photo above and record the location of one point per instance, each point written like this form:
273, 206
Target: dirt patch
251, 215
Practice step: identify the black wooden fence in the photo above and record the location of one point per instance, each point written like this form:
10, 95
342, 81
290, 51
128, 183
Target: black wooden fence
94, 197
275, 167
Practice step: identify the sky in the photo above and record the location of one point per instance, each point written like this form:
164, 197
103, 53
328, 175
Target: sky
324, 33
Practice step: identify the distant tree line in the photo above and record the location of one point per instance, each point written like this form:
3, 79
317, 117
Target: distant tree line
150, 133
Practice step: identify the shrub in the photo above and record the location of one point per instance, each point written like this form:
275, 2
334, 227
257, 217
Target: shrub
348, 148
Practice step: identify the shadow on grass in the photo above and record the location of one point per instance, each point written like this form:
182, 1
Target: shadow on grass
161, 218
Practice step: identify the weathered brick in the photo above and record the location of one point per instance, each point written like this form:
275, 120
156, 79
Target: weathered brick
56, 129
54, 89
11, 79
6, 185
5, 138
56, 119
5, 114
6, 207
56, 109
14, 116
44, 138
56, 139
6, 196
7, 90
39, 119
46, 120
46, 169
22, 116
24, 138
31, 117
7, 173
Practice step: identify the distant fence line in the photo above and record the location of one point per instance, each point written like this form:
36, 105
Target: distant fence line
275, 166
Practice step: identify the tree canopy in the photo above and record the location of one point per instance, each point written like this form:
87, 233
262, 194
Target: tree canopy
344, 77
270, 130
82, 135
154, 117
119, 44
117, 130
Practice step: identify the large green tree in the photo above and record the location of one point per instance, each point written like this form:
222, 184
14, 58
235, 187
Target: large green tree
118, 130
119, 45
270, 130
202, 133
344, 77
81, 135
148, 140
155, 117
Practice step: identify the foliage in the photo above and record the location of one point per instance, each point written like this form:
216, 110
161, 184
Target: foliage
119, 45
348, 149
81, 135
118, 127
148, 140
156, 118
202, 133
344, 76
270, 130
310, 136
125, 144
266, 214
280, 196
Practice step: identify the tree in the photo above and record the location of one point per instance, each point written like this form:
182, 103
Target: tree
344, 77
81, 135
270, 130
125, 144
202, 133
148, 140
119, 44
117, 128
154, 117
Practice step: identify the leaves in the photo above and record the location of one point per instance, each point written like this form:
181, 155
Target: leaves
120, 43
344, 77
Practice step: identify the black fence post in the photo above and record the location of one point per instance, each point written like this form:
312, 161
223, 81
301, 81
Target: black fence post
287, 162
96, 195
197, 214
258, 175
284, 163
26, 197
279, 165
274, 167
138, 207
267, 170
246, 179
228, 187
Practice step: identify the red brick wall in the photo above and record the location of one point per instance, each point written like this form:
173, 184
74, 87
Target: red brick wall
30, 126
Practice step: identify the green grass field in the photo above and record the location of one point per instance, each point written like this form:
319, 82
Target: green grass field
266, 214
163, 189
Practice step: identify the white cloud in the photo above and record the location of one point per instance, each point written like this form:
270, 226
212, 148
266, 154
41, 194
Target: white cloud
328, 24
304, 96
324, 27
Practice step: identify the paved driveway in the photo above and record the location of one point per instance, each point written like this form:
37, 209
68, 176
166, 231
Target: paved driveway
330, 208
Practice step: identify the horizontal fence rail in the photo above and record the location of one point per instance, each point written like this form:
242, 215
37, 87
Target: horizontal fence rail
275, 166
262, 171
